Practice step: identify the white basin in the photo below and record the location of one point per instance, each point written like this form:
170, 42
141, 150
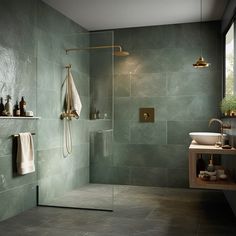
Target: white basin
205, 138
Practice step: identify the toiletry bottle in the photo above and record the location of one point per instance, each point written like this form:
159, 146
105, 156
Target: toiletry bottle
201, 166
8, 106
94, 115
16, 111
98, 114
22, 107
2, 108
211, 167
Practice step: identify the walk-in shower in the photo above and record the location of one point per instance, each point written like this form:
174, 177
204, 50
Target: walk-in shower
82, 179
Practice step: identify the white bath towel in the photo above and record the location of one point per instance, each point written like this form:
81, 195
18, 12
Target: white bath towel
75, 103
25, 154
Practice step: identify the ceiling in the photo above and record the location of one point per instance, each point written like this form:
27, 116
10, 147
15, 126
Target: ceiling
112, 14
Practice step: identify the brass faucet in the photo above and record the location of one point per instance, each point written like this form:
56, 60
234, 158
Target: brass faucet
222, 127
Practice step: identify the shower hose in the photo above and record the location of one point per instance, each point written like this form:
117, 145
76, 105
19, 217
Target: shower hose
67, 143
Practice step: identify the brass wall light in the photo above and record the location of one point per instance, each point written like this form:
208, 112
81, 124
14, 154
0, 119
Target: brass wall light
201, 63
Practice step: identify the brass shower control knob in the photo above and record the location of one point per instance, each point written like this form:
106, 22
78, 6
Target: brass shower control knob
146, 114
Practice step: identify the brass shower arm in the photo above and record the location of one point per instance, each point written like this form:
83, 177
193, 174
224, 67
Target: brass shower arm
95, 47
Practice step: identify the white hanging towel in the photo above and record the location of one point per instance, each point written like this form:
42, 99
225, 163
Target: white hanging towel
25, 154
75, 103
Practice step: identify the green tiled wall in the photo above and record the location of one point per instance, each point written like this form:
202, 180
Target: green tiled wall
159, 73
17, 78
32, 59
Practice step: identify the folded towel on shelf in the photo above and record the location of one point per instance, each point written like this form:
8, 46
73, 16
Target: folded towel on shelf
74, 103
25, 154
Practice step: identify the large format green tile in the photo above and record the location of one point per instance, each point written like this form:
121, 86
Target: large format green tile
192, 107
122, 109
17, 25
140, 38
14, 200
122, 84
178, 131
45, 75
194, 83
49, 104
148, 85
178, 178
148, 133
101, 62
8, 174
146, 155
101, 86
149, 176
49, 133
101, 173
121, 131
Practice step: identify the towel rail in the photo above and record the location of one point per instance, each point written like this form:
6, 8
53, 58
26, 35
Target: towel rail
16, 135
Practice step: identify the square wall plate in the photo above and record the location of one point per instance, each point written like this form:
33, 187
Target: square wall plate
146, 115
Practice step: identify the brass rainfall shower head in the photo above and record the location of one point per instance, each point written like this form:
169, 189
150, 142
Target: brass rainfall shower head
120, 52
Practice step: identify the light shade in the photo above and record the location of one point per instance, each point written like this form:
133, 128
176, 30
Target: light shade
201, 63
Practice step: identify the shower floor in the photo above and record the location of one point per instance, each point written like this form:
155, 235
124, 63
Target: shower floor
91, 196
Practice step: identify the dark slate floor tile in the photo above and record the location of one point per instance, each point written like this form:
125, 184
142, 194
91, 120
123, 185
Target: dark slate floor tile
138, 211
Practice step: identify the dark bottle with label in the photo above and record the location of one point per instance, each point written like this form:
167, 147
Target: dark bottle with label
22, 107
16, 111
98, 114
2, 107
201, 165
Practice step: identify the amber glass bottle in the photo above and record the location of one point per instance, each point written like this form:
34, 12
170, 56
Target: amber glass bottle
16, 111
22, 107
1, 107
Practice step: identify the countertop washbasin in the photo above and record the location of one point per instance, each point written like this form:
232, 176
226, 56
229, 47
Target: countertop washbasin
205, 138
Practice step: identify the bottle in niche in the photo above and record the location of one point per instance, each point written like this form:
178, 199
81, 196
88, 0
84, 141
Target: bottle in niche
22, 107
8, 106
16, 111
2, 108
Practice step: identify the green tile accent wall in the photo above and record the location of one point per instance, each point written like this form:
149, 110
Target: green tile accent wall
32, 41
159, 73
17, 78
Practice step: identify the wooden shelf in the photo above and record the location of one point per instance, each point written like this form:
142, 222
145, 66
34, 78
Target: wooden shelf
194, 181
210, 149
218, 184
20, 117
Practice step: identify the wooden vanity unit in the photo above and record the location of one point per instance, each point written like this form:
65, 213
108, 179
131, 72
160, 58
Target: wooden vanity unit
195, 182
